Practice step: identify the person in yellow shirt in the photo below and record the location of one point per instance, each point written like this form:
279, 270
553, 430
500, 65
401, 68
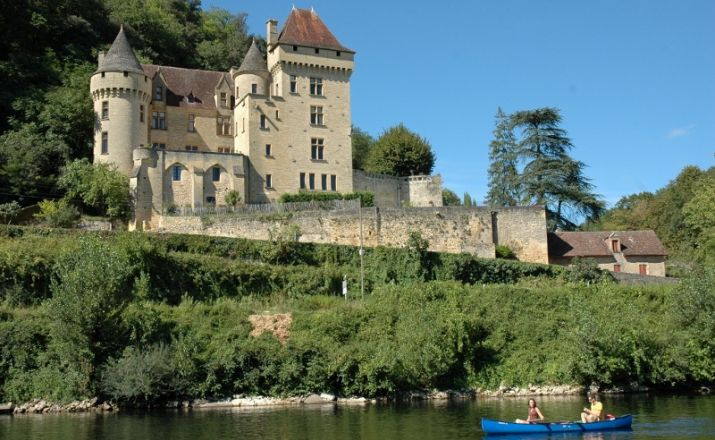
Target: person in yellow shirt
593, 414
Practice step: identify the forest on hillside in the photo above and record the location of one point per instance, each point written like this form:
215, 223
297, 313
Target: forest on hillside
48, 51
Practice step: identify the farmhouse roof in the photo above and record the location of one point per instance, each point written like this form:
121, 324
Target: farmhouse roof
304, 28
120, 57
595, 244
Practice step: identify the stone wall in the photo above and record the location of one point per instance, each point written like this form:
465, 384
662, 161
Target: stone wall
448, 229
392, 191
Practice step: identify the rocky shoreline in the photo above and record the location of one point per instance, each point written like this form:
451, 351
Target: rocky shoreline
39, 406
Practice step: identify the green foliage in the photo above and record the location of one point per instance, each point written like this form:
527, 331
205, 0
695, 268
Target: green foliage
400, 152
58, 214
99, 186
8, 211
362, 143
468, 201
504, 183
504, 252
586, 270
367, 199
232, 198
450, 198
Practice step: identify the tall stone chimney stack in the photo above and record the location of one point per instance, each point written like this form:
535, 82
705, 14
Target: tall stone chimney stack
272, 32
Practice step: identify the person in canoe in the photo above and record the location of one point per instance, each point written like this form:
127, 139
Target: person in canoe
593, 414
534, 414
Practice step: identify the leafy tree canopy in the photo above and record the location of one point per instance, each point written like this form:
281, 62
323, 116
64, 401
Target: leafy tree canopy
362, 142
400, 152
450, 198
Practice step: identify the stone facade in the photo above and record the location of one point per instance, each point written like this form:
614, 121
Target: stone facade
391, 191
448, 229
271, 126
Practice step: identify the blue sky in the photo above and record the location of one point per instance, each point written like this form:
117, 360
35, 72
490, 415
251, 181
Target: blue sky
635, 80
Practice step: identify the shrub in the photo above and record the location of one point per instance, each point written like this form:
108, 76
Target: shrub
58, 214
232, 198
504, 252
586, 270
8, 211
367, 199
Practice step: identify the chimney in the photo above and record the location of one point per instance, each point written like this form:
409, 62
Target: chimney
272, 32
100, 58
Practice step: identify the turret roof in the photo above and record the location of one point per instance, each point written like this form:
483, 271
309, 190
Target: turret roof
120, 57
304, 28
253, 61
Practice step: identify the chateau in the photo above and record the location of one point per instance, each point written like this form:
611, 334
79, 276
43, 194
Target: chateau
274, 125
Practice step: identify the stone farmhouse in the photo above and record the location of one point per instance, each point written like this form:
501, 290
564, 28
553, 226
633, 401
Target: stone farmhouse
635, 252
274, 125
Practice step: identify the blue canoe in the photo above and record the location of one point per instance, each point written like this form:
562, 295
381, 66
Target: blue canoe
490, 426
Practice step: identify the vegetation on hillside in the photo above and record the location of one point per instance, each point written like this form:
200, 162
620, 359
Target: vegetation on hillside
141, 319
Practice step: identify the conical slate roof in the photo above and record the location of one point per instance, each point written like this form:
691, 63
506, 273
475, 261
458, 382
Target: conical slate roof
253, 62
120, 57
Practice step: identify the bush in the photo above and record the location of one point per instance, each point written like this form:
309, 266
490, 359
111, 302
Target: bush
504, 252
586, 270
58, 214
367, 199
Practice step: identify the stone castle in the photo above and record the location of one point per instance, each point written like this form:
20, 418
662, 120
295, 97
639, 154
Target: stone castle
274, 125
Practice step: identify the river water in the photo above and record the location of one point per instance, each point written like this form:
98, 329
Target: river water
658, 417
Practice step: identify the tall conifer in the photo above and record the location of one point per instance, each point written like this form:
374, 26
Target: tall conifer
504, 185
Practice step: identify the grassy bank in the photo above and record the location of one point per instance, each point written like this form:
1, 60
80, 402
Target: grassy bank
141, 319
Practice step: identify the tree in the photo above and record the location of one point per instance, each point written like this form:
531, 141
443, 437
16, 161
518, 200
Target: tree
450, 198
504, 183
550, 177
362, 142
400, 152
468, 200
224, 39
8, 211
99, 186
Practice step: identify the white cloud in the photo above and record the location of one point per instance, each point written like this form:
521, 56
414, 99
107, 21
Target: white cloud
679, 131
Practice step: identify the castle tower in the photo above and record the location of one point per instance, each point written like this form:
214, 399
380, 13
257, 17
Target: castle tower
252, 76
121, 93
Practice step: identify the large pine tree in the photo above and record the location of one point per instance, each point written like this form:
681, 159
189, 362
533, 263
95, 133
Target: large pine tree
504, 185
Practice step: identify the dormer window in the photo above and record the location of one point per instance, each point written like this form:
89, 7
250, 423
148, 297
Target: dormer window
223, 100
159, 93
190, 98
615, 245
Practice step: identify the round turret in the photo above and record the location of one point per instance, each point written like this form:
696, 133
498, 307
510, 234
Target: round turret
253, 76
121, 93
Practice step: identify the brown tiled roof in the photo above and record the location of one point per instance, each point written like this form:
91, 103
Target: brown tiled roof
595, 244
305, 28
182, 82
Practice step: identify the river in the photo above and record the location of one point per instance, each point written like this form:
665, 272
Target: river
658, 417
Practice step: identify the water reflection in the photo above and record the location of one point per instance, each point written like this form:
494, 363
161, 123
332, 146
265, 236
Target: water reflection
654, 417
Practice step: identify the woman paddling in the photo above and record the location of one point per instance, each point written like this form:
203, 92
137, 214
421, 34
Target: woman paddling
534, 414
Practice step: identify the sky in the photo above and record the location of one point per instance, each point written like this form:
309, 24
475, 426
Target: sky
634, 79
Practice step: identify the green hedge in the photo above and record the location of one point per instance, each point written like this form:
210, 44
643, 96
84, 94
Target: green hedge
367, 199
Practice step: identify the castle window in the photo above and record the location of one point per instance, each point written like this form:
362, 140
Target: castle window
126, 73
302, 180
105, 142
223, 126
224, 100
324, 182
105, 109
295, 48
333, 182
268, 150
316, 148
277, 114
643, 269
615, 246
191, 148
269, 181
211, 200
192, 123
616, 267
216, 174
337, 53
317, 50
224, 149
293, 84
158, 146
316, 115
159, 93
277, 90
316, 86
158, 120
176, 173
264, 122
254, 88
102, 74
311, 182
141, 113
